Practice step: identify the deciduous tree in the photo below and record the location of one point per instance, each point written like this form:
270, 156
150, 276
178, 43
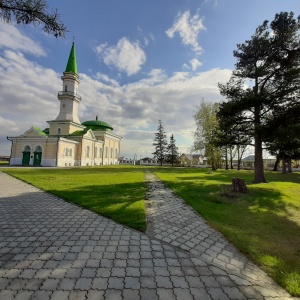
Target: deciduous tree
205, 134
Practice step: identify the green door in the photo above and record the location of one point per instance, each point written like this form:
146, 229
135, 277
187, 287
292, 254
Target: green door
26, 158
37, 158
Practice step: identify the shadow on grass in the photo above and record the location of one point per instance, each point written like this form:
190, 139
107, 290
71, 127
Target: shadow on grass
122, 203
257, 223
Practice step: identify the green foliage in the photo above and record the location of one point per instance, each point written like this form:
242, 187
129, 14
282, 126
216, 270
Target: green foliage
263, 224
160, 143
172, 156
32, 12
206, 132
115, 192
265, 80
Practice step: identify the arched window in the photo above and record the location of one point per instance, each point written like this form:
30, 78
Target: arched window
58, 130
66, 88
38, 149
27, 148
87, 151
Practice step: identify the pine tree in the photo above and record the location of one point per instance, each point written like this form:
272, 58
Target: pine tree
160, 144
172, 151
266, 79
32, 12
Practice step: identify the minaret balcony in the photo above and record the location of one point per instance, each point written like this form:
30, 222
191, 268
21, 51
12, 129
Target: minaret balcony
64, 94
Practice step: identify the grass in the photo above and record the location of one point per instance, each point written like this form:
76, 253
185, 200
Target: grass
264, 224
4, 162
117, 193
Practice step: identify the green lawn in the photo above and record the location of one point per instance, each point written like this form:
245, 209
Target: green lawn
115, 192
265, 224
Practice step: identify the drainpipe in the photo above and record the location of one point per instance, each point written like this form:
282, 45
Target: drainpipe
57, 151
10, 147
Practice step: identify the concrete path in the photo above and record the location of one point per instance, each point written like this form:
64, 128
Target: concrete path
51, 249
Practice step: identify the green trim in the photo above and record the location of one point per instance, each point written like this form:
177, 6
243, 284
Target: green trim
72, 64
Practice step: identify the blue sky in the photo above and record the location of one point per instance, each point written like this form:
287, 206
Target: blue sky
139, 61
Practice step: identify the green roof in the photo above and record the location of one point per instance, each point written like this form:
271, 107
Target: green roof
39, 131
97, 125
72, 64
79, 132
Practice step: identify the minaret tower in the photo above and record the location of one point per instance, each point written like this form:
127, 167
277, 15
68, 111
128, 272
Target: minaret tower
67, 120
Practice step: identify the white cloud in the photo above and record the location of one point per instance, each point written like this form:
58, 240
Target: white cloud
29, 97
188, 28
12, 38
194, 64
105, 78
126, 56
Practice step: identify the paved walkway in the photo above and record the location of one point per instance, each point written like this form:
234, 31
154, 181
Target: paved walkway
51, 249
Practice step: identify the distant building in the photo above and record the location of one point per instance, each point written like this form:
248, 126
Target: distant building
192, 159
67, 141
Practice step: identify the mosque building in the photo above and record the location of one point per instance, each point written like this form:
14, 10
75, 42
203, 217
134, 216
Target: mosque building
67, 142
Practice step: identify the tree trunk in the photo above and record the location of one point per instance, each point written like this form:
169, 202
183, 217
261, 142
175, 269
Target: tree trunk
231, 158
259, 175
226, 158
283, 165
276, 163
289, 165
239, 161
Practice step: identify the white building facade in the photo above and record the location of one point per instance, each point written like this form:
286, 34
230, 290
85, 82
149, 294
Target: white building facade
67, 142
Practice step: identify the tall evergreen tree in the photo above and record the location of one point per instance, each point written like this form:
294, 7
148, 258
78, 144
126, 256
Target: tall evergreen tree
32, 12
160, 143
172, 151
266, 78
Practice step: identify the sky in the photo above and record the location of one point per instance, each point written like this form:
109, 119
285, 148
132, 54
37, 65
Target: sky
139, 62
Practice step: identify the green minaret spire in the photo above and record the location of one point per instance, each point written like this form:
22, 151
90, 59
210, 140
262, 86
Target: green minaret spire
72, 64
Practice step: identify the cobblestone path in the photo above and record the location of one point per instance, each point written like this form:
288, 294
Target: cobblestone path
51, 249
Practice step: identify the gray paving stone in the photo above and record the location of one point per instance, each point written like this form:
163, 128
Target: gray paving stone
132, 283
116, 283
217, 293
83, 284
60, 295
148, 294
113, 294
165, 294
67, 284
131, 294
76, 254
163, 282
200, 294
100, 283
77, 295
17, 284
50, 284
41, 295
95, 295
233, 293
